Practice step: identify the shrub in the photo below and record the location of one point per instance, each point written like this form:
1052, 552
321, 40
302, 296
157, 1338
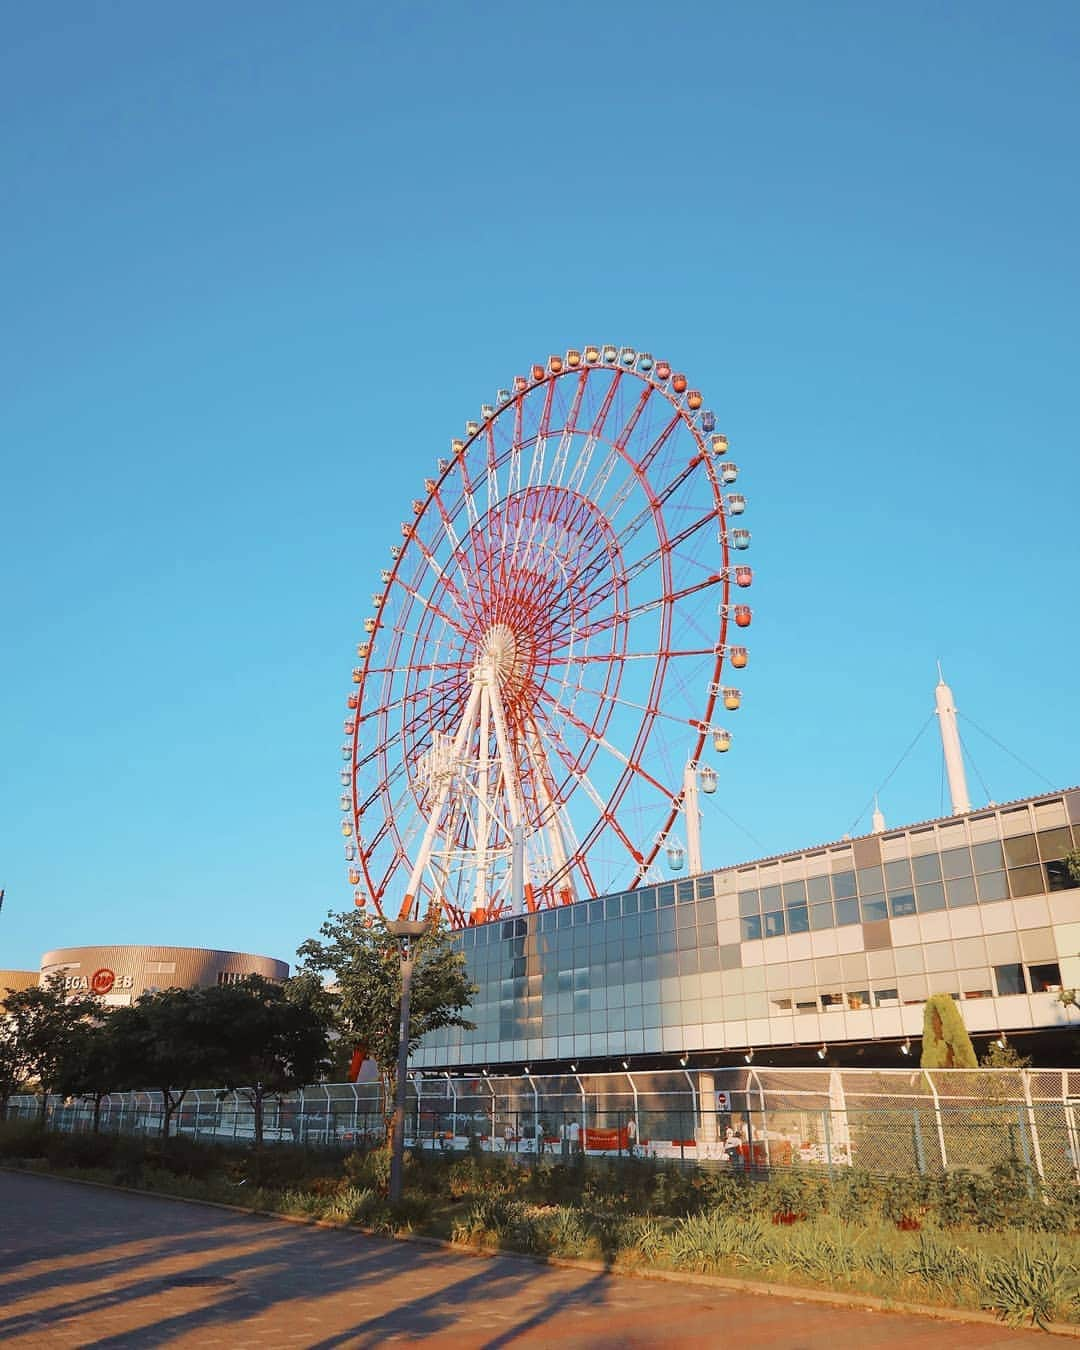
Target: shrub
491, 1215
1032, 1285
904, 1200
945, 1044
705, 1240
369, 1171
22, 1139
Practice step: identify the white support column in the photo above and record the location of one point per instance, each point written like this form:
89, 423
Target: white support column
511, 786
480, 898
950, 743
424, 853
693, 819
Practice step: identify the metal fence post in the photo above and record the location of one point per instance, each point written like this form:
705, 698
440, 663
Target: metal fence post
920, 1155
1025, 1078
937, 1119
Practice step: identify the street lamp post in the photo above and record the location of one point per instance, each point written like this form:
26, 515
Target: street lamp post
407, 931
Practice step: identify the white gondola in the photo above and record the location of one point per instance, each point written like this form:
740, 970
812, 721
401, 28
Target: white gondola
676, 856
707, 779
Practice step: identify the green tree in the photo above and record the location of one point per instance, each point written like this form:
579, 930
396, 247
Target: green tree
366, 964
41, 1023
274, 1038
171, 1041
93, 1065
1002, 1054
1072, 865
11, 1068
945, 1042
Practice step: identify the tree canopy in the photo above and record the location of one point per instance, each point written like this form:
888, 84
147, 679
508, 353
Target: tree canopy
275, 1038
41, 1023
366, 965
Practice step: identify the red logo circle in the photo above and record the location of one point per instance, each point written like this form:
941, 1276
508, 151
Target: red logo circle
102, 981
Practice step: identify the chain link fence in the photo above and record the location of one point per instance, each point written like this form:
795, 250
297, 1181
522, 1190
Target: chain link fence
883, 1121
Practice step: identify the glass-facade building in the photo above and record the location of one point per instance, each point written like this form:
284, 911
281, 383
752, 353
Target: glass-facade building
831, 945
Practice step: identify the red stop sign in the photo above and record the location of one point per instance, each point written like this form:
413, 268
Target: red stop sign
102, 981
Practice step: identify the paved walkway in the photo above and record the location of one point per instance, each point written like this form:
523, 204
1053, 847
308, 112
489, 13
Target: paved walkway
86, 1267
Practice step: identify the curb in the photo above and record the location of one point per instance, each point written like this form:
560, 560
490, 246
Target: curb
732, 1284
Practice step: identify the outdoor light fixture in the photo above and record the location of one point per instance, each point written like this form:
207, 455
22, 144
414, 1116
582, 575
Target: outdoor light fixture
905, 1049
573, 1068
749, 1056
626, 1063
823, 1051
1000, 1042
484, 1072
683, 1059
525, 1071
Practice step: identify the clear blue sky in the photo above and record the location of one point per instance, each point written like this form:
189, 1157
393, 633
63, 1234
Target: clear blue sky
259, 263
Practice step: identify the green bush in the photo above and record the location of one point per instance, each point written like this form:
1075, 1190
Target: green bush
904, 1199
22, 1139
370, 1171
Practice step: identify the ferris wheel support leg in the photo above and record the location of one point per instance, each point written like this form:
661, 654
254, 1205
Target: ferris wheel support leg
424, 854
480, 897
511, 786
693, 818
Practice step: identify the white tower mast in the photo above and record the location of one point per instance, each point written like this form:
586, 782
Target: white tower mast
950, 742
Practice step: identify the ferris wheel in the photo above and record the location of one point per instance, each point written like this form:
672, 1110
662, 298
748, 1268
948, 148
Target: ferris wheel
543, 662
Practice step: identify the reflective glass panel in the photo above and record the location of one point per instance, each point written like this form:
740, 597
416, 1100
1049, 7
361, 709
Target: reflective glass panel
901, 903
898, 873
818, 888
961, 891
931, 896
955, 862
988, 857
843, 885
1020, 850
992, 886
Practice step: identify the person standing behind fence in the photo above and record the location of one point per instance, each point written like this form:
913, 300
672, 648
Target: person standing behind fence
631, 1137
508, 1137
732, 1143
564, 1138
575, 1137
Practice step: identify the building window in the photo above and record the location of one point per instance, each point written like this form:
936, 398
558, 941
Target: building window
844, 885
1045, 978
993, 886
1010, 979
1058, 877
901, 903
232, 976
1020, 850
1026, 880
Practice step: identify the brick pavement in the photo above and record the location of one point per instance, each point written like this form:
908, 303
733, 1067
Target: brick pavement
86, 1267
